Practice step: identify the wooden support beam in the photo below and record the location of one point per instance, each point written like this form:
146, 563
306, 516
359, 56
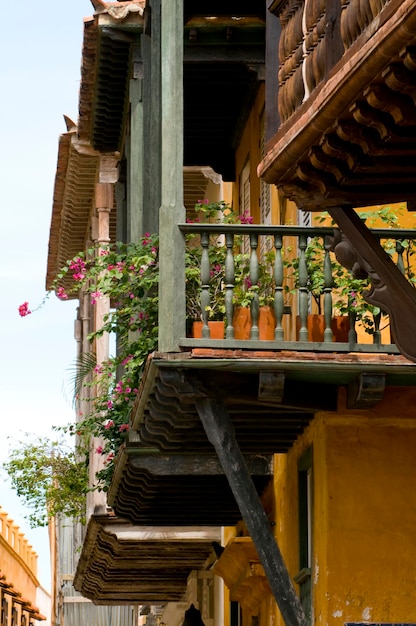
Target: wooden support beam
220, 432
390, 290
195, 464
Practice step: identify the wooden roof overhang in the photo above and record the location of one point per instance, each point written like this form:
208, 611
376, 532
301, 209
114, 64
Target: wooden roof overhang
105, 68
110, 37
76, 174
168, 472
9, 589
352, 142
125, 564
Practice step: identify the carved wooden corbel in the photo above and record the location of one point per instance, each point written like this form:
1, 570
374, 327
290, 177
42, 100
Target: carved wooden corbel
390, 291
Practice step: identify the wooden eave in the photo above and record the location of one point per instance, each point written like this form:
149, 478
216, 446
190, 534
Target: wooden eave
178, 486
125, 564
106, 69
75, 178
9, 589
352, 141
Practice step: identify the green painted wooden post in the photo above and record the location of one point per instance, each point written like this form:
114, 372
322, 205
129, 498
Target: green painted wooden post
172, 211
135, 172
150, 49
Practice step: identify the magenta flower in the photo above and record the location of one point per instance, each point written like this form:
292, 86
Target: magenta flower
108, 424
24, 309
61, 293
123, 427
99, 449
109, 404
95, 296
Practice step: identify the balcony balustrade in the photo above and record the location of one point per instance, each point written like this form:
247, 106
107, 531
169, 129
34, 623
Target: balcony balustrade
295, 271
315, 35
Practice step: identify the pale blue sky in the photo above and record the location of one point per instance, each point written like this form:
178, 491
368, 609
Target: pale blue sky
40, 52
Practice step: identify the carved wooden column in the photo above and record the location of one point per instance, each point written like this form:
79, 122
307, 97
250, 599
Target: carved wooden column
104, 200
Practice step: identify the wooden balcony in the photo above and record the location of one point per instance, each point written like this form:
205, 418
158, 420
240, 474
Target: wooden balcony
346, 102
168, 473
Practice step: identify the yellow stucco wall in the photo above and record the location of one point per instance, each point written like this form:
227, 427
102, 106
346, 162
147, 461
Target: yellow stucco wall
18, 560
364, 522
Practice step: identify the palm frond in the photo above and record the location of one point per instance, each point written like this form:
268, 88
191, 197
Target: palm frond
78, 373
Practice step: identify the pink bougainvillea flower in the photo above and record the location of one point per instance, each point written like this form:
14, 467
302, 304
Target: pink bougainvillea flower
99, 449
61, 293
123, 427
108, 424
109, 404
98, 369
127, 359
24, 309
95, 296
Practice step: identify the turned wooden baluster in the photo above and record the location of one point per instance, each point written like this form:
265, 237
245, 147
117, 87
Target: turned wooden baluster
205, 276
377, 6
229, 285
352, 316
314, 25
278, 289
329, 283
254, 279
400, 251
303, 290
356, 16
291, 88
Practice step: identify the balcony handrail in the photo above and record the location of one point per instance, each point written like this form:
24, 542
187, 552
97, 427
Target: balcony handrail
278, 233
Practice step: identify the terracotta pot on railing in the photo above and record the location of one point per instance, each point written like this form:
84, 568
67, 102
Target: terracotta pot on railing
340, 326
242, 323
216, 329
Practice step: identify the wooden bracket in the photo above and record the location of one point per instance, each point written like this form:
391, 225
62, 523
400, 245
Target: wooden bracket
366, 390
271, 386
390, 290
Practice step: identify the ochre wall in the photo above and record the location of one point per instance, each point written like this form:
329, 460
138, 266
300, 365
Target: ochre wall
364, 538
18, 560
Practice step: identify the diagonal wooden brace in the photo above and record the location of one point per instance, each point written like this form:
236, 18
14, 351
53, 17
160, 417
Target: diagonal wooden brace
220, 432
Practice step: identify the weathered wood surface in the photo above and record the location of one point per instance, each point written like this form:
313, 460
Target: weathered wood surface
220, 432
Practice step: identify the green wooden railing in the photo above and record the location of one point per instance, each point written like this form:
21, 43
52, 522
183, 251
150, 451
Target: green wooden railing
291, 257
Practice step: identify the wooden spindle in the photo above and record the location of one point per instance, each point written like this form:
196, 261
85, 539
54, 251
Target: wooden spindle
254, 279
278, 288
229, 285
303, 290
205, 276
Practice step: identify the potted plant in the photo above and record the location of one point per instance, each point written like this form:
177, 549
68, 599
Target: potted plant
245, 293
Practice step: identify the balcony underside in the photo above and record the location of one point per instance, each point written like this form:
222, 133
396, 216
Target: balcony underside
352, 142
125, 564
170, 474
